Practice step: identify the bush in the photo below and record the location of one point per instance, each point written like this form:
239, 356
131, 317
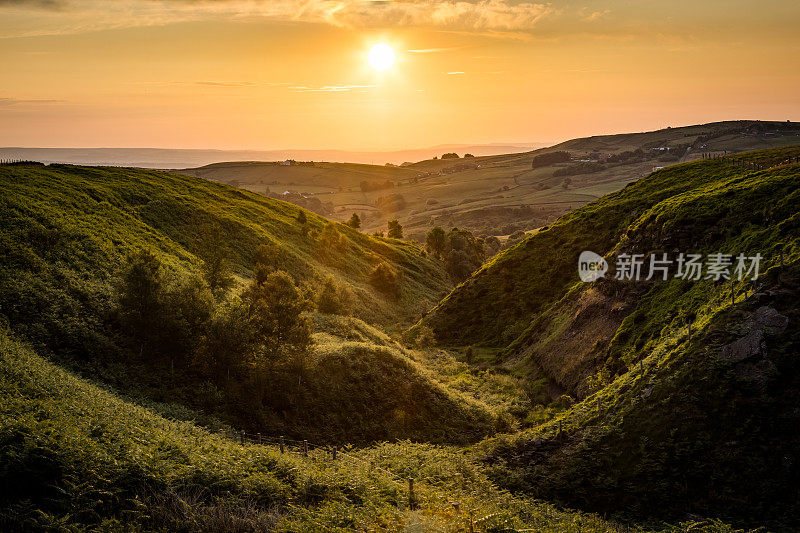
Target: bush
332, 300
395, 229
386, 280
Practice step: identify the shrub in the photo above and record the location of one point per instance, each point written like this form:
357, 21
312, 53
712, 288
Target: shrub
354, 222
386, 280
436, 240
213, 249
395, 229
331, 300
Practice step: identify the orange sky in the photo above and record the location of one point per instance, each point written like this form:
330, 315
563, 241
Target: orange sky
276, 74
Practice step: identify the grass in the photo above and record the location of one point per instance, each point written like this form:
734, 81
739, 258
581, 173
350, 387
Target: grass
75, 457
663, 424
476, 199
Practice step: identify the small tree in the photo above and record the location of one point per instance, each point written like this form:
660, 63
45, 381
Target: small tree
301, 217
436, 241
329, 300
142, 300
395, 229
386, 279
213, 250
354, 222
274, 312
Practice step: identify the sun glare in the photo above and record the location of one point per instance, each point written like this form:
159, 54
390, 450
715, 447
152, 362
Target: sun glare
381, 57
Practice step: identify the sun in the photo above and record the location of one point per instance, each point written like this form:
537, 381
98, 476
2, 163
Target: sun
381, 57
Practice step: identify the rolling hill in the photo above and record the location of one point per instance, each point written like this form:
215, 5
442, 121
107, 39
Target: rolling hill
496, 195
67, 233
658, 397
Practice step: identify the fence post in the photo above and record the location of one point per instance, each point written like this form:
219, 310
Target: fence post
241, 437
333, 453
305, 448
280, 443
411, 502
259, 439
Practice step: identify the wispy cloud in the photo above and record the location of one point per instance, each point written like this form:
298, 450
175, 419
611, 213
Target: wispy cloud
8, 102
329, 88
432, 50
454, 73
74, 16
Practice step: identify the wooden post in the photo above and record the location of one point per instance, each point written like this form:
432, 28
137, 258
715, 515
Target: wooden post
241, 437
411, 502
280, 443
305, 448
333, 453
259, 439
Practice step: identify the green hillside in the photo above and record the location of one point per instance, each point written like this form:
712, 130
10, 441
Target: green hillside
65, 238
678, 396
74, 457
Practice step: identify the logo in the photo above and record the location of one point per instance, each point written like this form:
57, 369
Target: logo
591, 266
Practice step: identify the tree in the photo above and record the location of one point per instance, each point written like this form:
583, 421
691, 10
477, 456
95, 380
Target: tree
330, 299
228, 342
395, 229
162, 319
436, 241
450, 155
464, 254
543, 160
301, 217
468, 155
354, 222
330, 243
386, 279
213, 250
142, 299
273, 311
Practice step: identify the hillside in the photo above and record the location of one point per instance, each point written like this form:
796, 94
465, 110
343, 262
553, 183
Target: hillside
75, 457
497, 195
661, 397
67, 234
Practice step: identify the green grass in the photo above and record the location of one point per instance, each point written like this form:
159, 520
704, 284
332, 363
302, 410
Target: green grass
501, 300
75, 457
663, 424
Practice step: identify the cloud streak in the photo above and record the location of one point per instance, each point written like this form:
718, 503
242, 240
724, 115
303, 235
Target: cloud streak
329, 88
75, 16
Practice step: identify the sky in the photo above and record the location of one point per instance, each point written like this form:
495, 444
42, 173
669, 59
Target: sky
261, 74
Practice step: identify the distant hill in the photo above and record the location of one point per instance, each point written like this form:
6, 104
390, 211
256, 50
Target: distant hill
497, 194
171, 158
683, 397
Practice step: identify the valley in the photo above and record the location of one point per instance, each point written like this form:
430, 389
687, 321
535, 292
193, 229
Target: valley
152, 319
